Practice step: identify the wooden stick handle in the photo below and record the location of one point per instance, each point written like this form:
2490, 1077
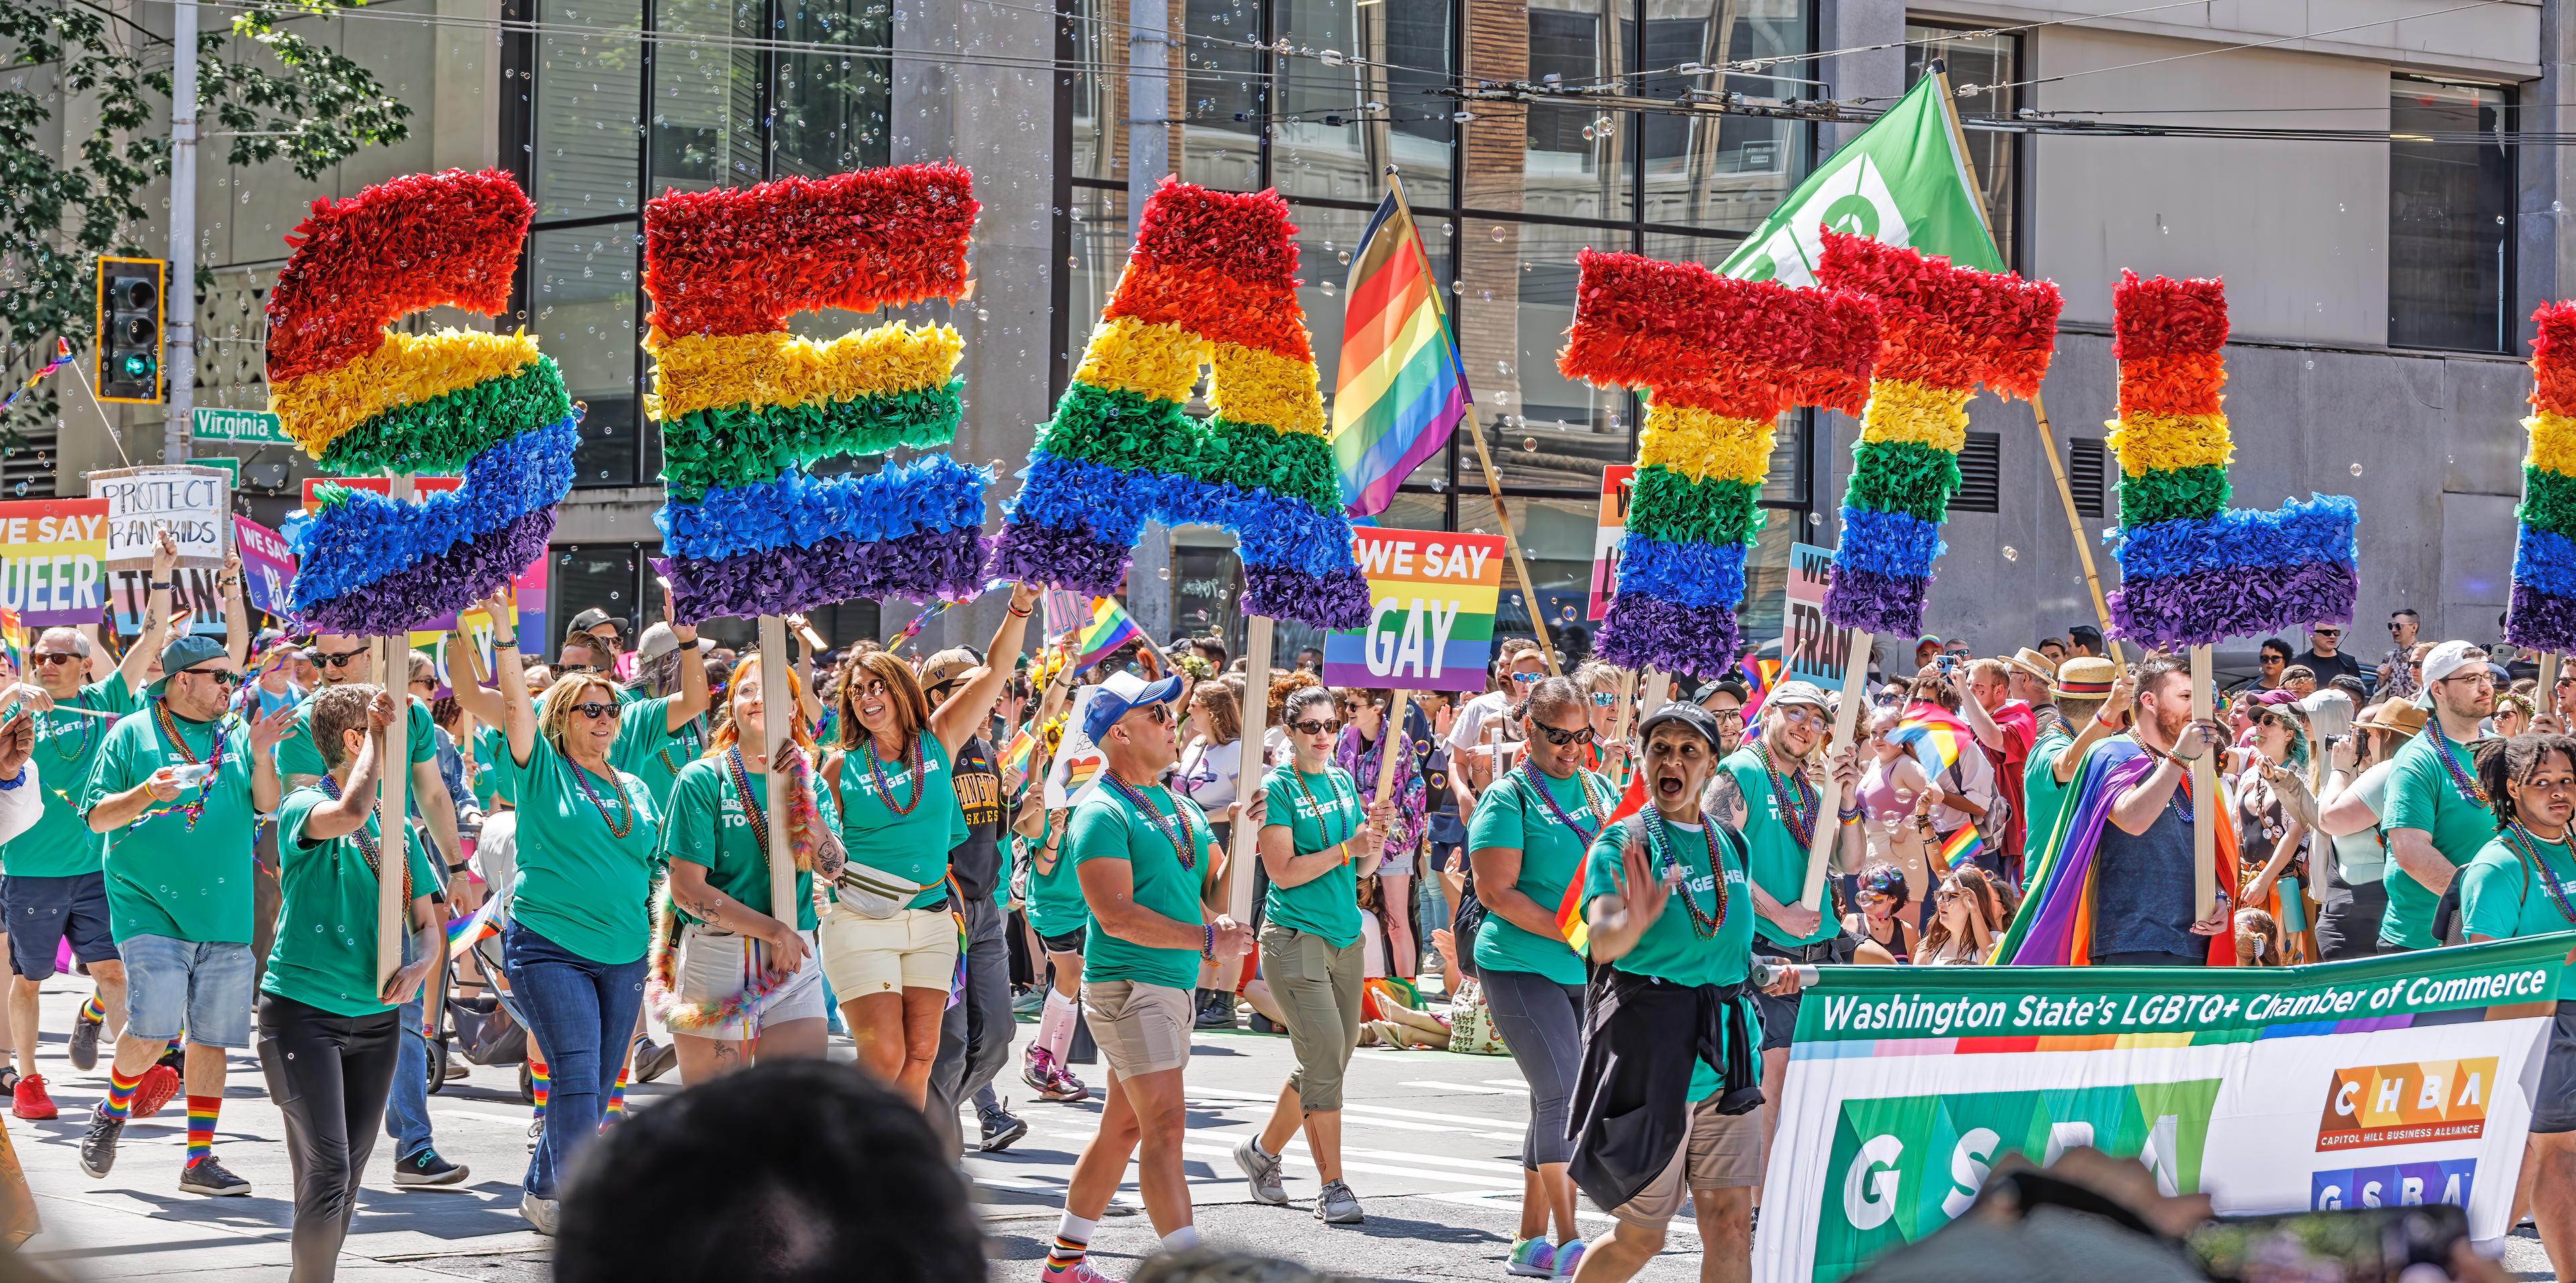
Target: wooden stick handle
1246, 846
778, 713
1829, 794
2205, 802
1390, 738
393, 826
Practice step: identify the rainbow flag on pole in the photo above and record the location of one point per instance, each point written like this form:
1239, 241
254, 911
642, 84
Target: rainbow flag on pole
1401, 391
1109, 629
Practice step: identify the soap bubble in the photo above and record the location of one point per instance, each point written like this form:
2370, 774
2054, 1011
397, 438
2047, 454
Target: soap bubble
1529, 445
2356, 469
2011, 553
1500, 234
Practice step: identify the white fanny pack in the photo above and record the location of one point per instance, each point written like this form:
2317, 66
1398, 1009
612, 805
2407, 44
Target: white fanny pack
875, 893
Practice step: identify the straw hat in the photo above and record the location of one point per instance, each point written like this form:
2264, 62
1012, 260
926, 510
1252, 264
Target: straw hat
2034, 663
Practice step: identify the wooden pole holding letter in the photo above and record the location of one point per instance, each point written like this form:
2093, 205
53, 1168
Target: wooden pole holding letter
1829, 793
393, 771
2205, 801
1246, 846
778, 714
1390, 738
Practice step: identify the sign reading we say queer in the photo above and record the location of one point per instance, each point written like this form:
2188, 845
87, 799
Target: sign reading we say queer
1431, 613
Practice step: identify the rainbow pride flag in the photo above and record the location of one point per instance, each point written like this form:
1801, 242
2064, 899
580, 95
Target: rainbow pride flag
1569, 914
1022, 747
1110, 628
62, 357
1402, 391
1962, 845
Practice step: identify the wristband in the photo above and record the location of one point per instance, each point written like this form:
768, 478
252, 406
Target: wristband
510, 643
1849, 814
157, 585
1207, 950
2111, 723
1017, 613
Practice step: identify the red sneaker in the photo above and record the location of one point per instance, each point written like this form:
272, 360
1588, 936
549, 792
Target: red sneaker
30, 1101
159, 1084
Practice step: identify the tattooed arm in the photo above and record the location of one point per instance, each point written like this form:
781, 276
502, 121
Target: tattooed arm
1723, 801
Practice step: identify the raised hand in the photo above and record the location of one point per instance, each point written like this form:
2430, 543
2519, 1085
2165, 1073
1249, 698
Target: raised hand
165, 553
267, 732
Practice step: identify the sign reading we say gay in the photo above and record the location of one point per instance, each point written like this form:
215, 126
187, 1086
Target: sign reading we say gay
1431, 613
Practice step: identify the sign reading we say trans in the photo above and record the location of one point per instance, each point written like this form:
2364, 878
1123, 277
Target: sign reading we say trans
1431, 618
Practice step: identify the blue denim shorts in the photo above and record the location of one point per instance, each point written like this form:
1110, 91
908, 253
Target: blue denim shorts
43, 911
175, 985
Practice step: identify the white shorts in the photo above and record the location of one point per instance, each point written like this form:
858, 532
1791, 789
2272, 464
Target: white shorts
914, 949
712, 968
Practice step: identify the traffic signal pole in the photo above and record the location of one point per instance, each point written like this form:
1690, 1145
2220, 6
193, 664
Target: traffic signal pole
180, 292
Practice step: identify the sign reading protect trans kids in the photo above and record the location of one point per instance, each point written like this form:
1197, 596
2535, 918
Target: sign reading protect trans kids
1431, 612
2372, 1083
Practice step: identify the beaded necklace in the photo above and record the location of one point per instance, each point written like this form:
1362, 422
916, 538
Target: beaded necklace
1175, 828
1704, 924
80, 744
2447, 749
687, 737
884, 790
214, 763
1531, 776
750, 808
2526, 845
1797, 801
625, 804
1349, 814
368, 845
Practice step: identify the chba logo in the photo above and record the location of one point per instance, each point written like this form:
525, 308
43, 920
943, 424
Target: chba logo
2429, 1100
2397, 1185
1903, 1167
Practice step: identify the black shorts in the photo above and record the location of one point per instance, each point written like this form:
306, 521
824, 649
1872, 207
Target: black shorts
1070, 942
2553, 1107
1780, 1015
43, 911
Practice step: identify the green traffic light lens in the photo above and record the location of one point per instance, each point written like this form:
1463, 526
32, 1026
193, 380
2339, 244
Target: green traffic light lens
136, 366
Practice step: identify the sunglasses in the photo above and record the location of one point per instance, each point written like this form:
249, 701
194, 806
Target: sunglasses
56, 657
596, 709
1563, 738
1526, 678
2270, 661
2392, 625
2325, 632
1159, 714
328, 660
1316, 726
568, 670
222, 676
2275, 719
1604, 699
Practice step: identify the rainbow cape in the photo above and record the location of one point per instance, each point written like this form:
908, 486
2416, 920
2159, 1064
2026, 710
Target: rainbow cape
2054, 927
1720, 360
1211, 283
2542, 615
363, 399
746, 409
1946, 329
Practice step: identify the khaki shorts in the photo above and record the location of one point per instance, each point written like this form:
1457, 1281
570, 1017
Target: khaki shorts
712, 969
914, 949
1723, 1151
1141, 1028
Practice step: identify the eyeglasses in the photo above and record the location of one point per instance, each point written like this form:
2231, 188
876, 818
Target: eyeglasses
222, 676
1316, 726
1604, 699
1798, 713
1526, 678
596, 709
56, 657
2270, 661
570, 670
342, 660
1561, 738
1727, 716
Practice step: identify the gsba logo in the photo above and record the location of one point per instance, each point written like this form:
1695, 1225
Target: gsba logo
1905, 1166
2397, 1185
2429, 1100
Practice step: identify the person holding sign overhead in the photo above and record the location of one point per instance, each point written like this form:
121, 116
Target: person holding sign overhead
1527, 844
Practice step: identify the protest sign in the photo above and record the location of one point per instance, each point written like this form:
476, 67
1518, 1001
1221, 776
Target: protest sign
1618, 486
1074, 773
52, 560
267, 565
194, 502
1811, 650
2376, 1082
1431, 613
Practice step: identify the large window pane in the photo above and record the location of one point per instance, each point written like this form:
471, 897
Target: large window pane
831, 107
1548, 160
1543, 429
2450, 216
1099, 91
1556, 537
590, 86
581, 306
1983, 60
1098, 219
706, 95
1329, 140
1223, 98
1727, 172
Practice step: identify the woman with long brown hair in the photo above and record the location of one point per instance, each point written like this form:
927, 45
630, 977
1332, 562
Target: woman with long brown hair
734, 976
1969, 911
890, 942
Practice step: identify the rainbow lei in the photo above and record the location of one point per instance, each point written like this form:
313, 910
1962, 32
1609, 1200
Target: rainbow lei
2192, 569
361, 399
1211, 283
1721, 360
1797, 799
1946, 329
661, 987
2542, 615
369, 847
746, 408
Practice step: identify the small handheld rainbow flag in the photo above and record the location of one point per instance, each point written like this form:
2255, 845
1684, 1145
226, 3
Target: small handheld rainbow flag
1569, 914
62, 357
1109, 629
1022, 746
1962, 845
465, 933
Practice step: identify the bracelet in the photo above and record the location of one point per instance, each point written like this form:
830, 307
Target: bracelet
1017, 613
2108, 722
501, 643
1207, 950
1849, 814
157, 585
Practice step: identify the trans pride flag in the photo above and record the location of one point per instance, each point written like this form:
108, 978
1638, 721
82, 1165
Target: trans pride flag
1401, 392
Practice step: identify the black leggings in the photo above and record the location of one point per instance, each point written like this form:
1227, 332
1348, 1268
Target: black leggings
329, 1076
1541, 1022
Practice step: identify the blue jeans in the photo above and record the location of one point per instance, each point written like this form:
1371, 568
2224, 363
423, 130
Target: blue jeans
577, 1009
407, 1110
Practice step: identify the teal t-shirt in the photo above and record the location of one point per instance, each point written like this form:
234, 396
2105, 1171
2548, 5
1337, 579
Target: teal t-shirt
67, 745
325, 955
490, 746
648, 749
707, 826
2503, 897
2042, 796
585, 866
1107, 827
1779, 863
1055, 895
1511, 813
172, 873
900, 824
1712, 946
2422, 795
1320, 810
298, 755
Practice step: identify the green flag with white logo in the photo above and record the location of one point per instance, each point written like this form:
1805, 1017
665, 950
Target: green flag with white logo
1904, 181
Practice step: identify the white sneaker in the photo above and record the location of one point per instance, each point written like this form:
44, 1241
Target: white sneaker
1261, 1171
540, 1213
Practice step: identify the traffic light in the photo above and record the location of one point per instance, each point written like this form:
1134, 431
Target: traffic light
129, 329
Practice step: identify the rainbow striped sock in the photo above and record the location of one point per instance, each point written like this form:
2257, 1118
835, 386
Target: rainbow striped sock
120, 1093
93, 1010
201, 1125
542, 1083
616, 1107
1066, 1253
